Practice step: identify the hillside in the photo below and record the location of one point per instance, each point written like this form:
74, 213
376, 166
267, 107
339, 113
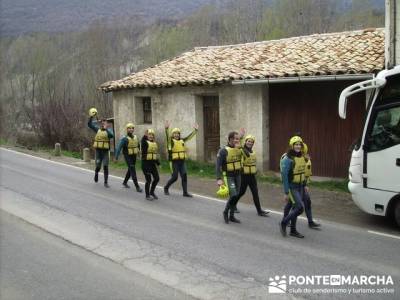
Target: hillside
24, 16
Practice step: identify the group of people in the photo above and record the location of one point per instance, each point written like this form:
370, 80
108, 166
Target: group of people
130, 146
236, 168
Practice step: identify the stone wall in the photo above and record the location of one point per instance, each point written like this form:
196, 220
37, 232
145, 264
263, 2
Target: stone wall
240, 106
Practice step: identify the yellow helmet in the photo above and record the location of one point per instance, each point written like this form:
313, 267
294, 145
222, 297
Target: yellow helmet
250, 137
223, 191
150, 131
92, 112
130, 125
176, 130
305, 149
295, 139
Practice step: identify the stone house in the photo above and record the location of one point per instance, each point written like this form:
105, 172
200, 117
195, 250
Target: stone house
273, 89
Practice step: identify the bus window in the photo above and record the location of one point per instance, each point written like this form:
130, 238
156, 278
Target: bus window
385, 132
391, 91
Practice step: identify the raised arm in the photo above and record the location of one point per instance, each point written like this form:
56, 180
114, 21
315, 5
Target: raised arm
168, 135
192, 134
92, 125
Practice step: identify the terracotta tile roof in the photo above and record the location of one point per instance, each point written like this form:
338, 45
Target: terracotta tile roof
352, 52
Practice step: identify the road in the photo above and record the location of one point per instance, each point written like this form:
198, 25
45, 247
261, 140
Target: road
37, 265
184, 244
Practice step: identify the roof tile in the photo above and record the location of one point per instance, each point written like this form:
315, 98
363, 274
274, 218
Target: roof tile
350, 52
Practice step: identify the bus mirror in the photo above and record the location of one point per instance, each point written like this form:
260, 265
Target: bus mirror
355, 145
356, 88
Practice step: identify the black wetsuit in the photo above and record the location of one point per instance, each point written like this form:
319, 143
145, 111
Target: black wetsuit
149, 168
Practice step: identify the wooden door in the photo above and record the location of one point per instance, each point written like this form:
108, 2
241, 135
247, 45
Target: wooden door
211, 127
312, 109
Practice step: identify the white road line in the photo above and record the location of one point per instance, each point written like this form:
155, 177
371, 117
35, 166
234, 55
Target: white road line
385, 234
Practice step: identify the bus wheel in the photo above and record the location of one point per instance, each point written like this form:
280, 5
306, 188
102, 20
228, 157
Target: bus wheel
397, 212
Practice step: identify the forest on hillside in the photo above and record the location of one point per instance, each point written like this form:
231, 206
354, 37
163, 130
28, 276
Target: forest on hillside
50, 79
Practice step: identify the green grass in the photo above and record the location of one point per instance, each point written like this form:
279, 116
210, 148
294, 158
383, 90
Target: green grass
331, 185
3, 141
73, 154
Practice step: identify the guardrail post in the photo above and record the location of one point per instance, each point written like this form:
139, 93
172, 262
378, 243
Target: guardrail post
57, 149
86, 154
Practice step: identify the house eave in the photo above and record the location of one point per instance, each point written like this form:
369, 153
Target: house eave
303, 79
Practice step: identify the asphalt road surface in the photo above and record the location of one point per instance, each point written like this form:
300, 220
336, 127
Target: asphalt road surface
184, 244
37, 265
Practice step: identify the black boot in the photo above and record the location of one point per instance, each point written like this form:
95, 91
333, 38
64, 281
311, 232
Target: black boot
233, 219
154, 196
166, 192
138, 189
282, 228
232, 216
126, 179
314, 225
106, 177
96, 174
226, 214
184, 186
263, 213
147, 189
226, 218
296, 234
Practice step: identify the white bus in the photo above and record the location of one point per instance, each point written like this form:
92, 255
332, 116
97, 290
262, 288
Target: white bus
374, 172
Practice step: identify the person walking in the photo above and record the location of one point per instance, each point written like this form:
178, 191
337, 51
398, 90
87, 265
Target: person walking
228, 170
292, 167
177, 155
129, 145
101, 145
150, 161
248, 176
306, 197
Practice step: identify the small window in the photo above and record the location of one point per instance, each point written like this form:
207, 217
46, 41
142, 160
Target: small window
143, 110
147, 116
385, 132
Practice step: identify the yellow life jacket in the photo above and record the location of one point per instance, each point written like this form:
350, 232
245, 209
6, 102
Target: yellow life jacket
299, 169
250, 163
152, 150
308, 171
178, 151
233, 159
133, 145
101, 140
